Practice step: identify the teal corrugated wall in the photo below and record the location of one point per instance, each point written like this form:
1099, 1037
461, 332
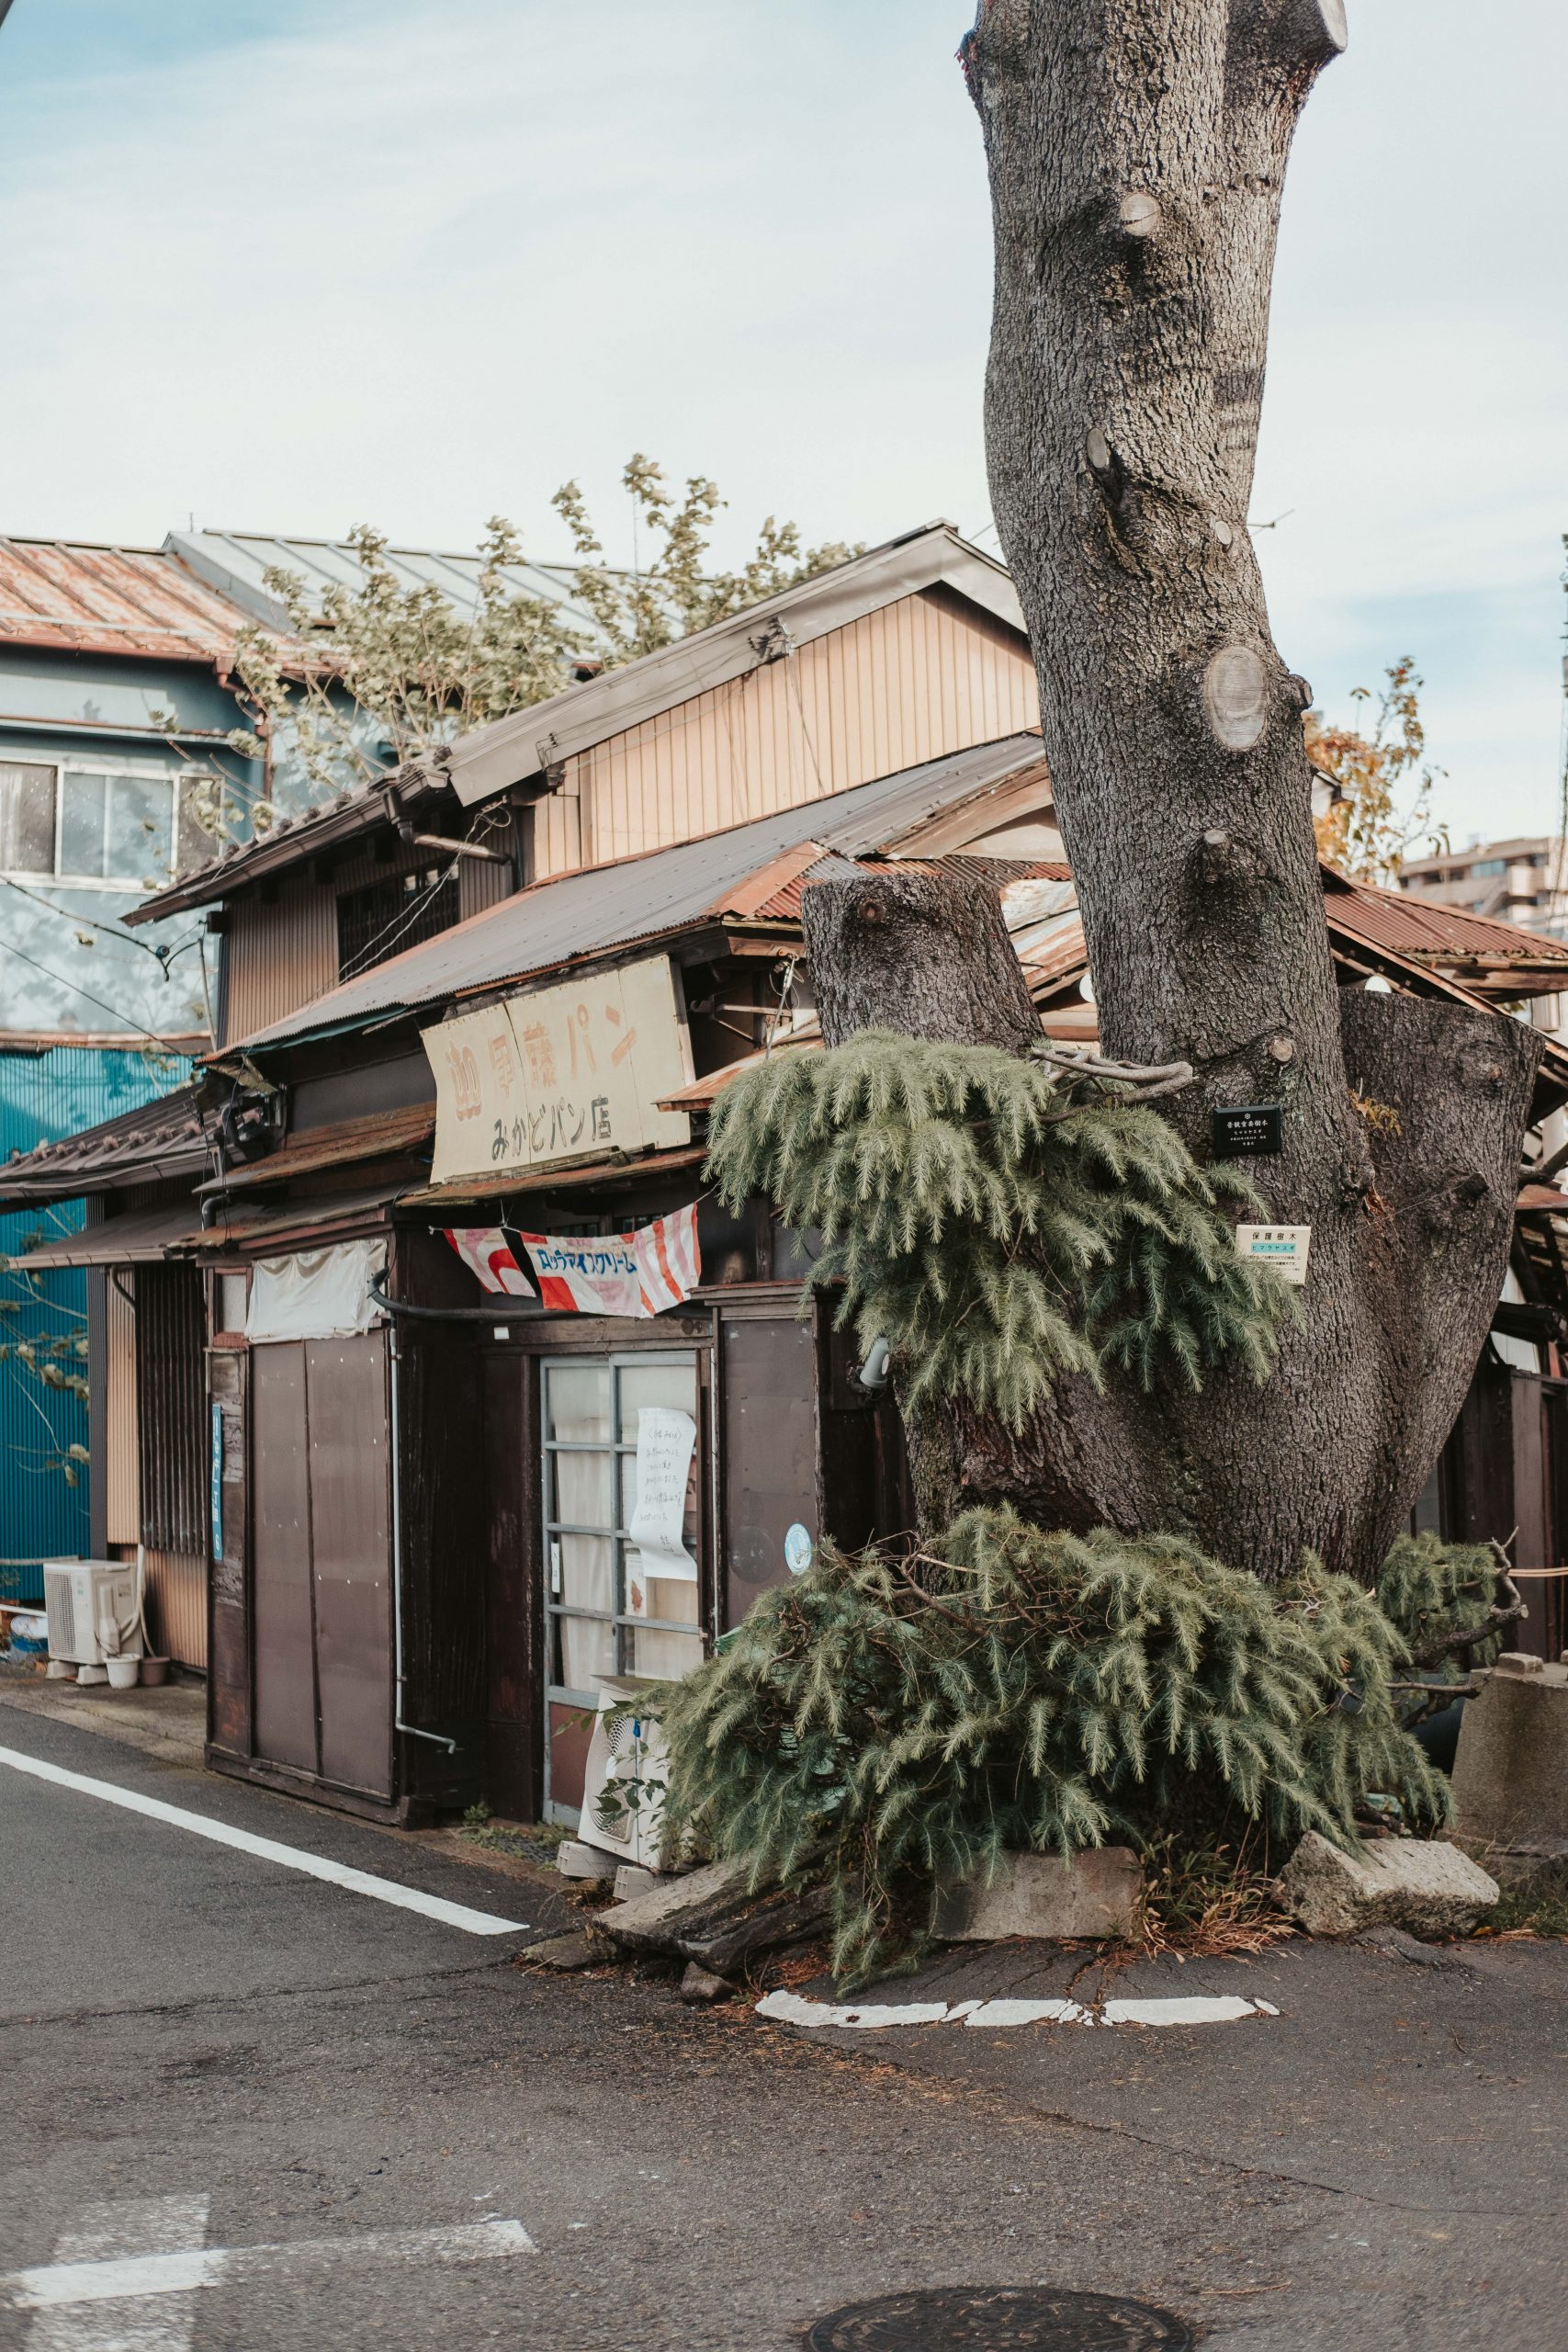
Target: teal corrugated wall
42, 1097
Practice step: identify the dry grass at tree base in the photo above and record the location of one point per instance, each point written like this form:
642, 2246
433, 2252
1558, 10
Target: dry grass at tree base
1536, 1909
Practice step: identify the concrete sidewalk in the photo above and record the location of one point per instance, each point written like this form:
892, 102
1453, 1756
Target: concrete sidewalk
169, 1723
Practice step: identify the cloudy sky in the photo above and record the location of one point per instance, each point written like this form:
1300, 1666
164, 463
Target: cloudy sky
291, 265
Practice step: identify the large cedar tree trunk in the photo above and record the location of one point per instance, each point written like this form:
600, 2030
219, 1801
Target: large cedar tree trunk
1137, 150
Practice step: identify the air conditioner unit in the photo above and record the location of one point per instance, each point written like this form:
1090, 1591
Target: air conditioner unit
92, 1608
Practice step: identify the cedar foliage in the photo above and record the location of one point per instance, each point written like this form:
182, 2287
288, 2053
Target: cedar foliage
998, 1222
890, 1725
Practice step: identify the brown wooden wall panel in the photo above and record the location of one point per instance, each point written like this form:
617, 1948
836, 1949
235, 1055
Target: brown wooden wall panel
283, 1637
350, 1551
768, 1406
926, 675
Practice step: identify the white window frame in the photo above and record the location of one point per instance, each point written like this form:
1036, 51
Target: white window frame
110, 765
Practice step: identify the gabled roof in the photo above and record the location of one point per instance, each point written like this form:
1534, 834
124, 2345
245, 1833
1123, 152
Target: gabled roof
510, 750
236, 564
80, 598
663, 891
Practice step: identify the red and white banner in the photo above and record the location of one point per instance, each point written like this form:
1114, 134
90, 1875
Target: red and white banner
486, 1251
668, 1258
633, 1274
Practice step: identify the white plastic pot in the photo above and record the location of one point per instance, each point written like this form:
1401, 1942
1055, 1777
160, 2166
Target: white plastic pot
124, 1673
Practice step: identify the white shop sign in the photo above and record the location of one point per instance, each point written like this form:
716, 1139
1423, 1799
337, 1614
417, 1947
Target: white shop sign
570, 1072
1284, 1247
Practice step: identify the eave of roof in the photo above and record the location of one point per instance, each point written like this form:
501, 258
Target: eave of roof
511, 749
294, 840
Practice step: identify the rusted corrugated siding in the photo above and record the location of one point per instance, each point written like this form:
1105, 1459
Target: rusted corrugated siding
482, 882
171, 1458
123, 1496
176, 1606
923, 677
279, 954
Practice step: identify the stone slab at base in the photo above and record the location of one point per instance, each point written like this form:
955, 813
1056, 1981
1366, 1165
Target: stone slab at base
1096, 1893
1425, 1886
1511, 1772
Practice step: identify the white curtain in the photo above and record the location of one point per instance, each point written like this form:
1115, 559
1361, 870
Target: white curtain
317, 1295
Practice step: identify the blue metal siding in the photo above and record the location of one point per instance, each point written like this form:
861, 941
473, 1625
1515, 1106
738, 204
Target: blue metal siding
42, 1097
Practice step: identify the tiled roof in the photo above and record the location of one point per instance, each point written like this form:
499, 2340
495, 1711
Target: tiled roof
161, 1138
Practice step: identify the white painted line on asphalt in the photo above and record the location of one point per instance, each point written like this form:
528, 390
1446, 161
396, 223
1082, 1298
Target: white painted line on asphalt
1195, 2008
136, 2277
114, 2237
269, 1850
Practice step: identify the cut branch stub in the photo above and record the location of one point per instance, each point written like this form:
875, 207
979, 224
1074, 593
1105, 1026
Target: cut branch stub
1236, 696
1140, 213
928, 955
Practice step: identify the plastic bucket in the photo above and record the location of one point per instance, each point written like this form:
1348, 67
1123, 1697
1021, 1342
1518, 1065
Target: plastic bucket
124, 1673
154, 1670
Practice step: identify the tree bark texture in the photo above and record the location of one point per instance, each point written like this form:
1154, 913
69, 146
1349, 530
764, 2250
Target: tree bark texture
1136, 152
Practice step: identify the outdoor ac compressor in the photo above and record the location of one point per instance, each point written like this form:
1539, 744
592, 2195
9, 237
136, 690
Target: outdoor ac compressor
94, 1611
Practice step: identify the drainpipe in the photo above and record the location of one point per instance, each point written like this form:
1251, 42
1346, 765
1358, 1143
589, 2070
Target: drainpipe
437, 1739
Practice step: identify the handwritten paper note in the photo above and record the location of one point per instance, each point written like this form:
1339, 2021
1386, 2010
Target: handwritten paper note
666, 1442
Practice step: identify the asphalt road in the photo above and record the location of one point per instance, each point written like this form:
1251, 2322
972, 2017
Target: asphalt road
247, 2108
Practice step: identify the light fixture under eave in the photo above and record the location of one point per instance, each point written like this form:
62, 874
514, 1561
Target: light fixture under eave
1375, 985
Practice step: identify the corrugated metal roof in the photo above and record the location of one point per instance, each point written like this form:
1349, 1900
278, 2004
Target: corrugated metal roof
140, 1238
236, 564
647, 897
1427, 933
83, 598
380, 1135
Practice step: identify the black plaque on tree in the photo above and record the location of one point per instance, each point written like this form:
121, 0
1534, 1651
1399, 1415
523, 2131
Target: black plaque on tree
1245, 1130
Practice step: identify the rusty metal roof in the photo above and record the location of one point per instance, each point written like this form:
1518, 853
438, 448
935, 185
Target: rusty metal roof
1500, 959
651, 896
159, 1140
383, 1135
138, 1238
84, 598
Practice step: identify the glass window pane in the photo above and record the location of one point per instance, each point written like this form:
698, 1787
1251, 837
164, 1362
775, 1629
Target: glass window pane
26, 818
82, 823
141, 829
577, 1403
656, 1383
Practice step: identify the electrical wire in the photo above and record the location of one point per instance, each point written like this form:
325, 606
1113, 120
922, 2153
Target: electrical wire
359, 965
114, 1010
163, 956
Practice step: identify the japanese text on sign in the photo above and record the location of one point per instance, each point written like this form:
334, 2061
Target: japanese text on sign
561, 1073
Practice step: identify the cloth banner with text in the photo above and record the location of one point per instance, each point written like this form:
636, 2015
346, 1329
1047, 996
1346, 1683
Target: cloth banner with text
634, 1274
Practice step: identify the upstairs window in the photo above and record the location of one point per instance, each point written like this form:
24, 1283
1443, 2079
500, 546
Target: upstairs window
383, 918
99, 824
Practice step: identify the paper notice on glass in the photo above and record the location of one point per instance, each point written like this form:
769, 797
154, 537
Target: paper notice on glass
666, 1449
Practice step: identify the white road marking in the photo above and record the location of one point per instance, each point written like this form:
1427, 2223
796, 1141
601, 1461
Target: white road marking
269, 1850
171, 2276
116, 2238
1195, 2008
